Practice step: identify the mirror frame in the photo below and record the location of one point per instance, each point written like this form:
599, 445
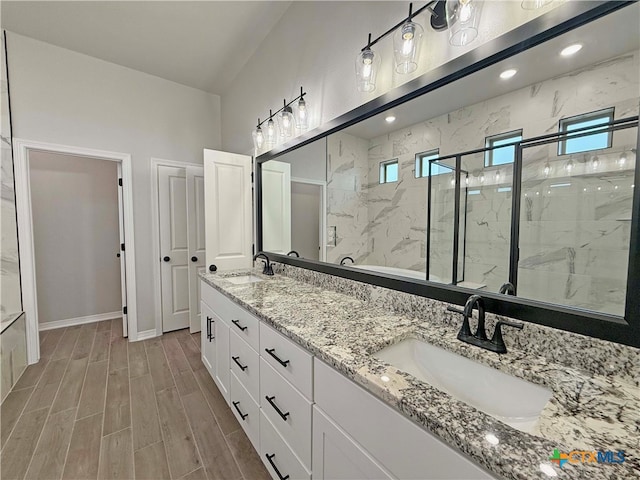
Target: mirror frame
562, 19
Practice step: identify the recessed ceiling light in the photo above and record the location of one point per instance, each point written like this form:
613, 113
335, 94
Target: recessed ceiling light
571, 49
508, 73
390, 119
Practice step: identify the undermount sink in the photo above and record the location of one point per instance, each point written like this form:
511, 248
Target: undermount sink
511, 400
244, 279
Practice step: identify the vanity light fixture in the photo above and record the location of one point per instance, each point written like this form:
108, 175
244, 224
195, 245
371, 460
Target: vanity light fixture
463, 18
571, 50
390, 119
507, 74
367, 66
288, 123
406, 44
547, 169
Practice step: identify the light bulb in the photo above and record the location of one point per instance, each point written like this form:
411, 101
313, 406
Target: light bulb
498, 175
571, 50
547, 169
482, 178
595, 163
271, 133
569, 166
465, 11
366, 69
302, 120
453, 181
367, 65
286, 123
259, 137
508, 73
622, 160
466, 181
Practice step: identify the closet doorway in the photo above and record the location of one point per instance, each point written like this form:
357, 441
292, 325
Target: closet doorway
178, 194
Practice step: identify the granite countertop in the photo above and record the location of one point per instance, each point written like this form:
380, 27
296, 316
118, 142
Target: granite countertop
586, 412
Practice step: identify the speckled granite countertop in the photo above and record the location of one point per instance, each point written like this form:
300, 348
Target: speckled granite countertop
586, 412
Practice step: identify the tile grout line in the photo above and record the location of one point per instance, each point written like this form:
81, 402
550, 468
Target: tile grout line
195, 441
104, 403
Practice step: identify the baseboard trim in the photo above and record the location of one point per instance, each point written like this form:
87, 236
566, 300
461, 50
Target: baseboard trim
146, 334
70, 322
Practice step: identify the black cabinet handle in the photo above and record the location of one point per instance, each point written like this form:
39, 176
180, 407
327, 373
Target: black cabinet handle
270, 351
242, 415
212, 268
210, 329
167, 259
270, 458
242, 367
237, 324
194, 259
275, 407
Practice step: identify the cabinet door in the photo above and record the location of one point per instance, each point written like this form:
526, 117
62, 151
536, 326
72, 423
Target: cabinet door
222, 357
228, 210
336, 456
207, 337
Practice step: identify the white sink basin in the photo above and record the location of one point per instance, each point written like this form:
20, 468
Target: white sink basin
511, 400
244, 279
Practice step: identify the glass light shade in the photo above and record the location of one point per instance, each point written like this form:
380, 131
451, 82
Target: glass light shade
272, 133
286, 123
367, 66
534, 4
301, 113
406, 47
258, 138
463, 18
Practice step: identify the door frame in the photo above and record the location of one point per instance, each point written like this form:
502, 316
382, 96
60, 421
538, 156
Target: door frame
323, 212
155, 228
21, 149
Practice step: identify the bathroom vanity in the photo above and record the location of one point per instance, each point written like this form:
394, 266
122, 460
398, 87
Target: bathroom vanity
299, 365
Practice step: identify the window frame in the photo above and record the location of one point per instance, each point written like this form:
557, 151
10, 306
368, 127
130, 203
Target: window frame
425, 157
563, 123
489, 141
383, 171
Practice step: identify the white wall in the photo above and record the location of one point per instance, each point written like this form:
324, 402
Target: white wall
74, 203
315, 45
68, 98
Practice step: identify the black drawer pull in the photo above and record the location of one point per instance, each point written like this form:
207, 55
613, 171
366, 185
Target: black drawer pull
270, 351
270, 458
237, 324
242, 415
210, 328
242, 367
275, 407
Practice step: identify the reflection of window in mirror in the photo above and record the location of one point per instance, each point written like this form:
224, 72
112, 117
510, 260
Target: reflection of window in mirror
505, 155
422, 163
588, 142
389, 171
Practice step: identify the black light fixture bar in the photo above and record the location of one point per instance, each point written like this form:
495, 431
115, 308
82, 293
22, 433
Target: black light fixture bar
428, 6
271, 115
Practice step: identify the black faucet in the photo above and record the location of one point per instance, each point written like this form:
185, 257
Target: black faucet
345, 259
479, 339
507, 288
267, 270
293, 252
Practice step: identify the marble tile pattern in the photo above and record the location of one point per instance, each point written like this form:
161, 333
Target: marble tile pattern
397, 212
587, 411
9, 267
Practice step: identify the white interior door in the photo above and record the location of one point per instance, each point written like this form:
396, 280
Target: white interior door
174, 248
196, 241
228, 211
122, 253
276, 210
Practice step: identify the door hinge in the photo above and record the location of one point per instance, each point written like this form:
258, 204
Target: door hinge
251, 177
253, 249
124, 310
122, 247
120, 182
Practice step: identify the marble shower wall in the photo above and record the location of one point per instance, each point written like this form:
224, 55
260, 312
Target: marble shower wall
397, 211
11, 303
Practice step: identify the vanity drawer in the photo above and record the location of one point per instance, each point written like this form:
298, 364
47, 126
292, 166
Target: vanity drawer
288, 359
246, 410
288, 410
280, 461
245, 363
240, 321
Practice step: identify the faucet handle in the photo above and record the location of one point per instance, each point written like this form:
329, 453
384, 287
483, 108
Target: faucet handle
465, 329
497, 341
455, 310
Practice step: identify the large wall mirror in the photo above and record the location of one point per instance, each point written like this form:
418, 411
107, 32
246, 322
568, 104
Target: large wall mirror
485, 180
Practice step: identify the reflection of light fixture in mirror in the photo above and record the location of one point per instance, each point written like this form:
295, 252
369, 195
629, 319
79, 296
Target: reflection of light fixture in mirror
258, 137
507, 74
482, 178
492, 439
367, 65
286, 121
548, 470
534, 4
271, 131
453, 179
571, 50
466, 180
390, 119
498, 175
595, 162
622, 161
406, 45
463, 18
547, 169
569, 166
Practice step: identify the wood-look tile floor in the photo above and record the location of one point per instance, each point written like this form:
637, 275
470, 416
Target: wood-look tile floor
99, 407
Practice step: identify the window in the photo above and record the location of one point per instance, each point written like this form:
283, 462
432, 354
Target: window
585, 143
501, 156
389, 171
422, 164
